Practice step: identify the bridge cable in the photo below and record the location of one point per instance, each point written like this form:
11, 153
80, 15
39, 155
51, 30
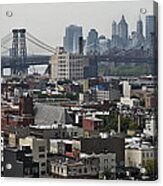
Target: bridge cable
6, 39
39, 45
5, 47
33, 37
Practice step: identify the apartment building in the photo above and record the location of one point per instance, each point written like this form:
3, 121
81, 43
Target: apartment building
39, 152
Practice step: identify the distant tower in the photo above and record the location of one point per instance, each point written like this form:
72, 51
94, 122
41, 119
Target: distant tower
123, 32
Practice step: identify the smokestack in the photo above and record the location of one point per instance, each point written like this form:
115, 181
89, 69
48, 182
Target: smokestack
80, 45
119, 123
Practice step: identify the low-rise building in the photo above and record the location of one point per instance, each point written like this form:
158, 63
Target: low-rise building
56, 131
131, 102
138, 155
100, 145
70, 168
107, 161
91, 126
108, 95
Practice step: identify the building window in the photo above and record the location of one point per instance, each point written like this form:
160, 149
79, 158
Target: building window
105, 163
35, 170
42, 164
41, 149
61, 170
27, 171
43, 172
41, 155
80, 171
85, 170
75, 133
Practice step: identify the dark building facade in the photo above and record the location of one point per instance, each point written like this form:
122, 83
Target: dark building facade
22, 164
91, 67
99, 145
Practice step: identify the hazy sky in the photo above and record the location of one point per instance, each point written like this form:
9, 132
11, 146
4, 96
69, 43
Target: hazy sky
48, 21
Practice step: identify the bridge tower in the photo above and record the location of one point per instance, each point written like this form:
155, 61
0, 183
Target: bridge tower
14, 50
22, 50
19, 52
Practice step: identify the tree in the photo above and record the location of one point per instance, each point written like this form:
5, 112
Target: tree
151, 168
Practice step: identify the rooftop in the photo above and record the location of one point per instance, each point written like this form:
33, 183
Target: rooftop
48, 115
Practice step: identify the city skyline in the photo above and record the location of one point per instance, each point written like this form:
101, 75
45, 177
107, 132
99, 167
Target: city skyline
87, 108
103, 26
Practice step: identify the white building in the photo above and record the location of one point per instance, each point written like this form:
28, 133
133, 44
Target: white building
138, 155
66, 66
150, 126
39, 152
126, 89
106, 95
129, 102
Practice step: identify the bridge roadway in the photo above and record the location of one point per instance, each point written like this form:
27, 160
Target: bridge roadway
6, 61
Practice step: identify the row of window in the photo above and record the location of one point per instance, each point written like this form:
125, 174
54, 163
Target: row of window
147, 154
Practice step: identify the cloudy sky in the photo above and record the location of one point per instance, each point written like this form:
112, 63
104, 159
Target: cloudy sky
48, 21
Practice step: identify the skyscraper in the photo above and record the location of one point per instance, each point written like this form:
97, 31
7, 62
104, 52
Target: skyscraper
150, 25
115, 37
71, 39
139, 26
92, 42
123, 32
140, 37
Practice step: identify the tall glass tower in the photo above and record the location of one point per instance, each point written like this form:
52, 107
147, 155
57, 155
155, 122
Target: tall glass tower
150, 25
92, 42
71, 39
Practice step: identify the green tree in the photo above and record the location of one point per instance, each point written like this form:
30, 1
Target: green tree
151, 167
